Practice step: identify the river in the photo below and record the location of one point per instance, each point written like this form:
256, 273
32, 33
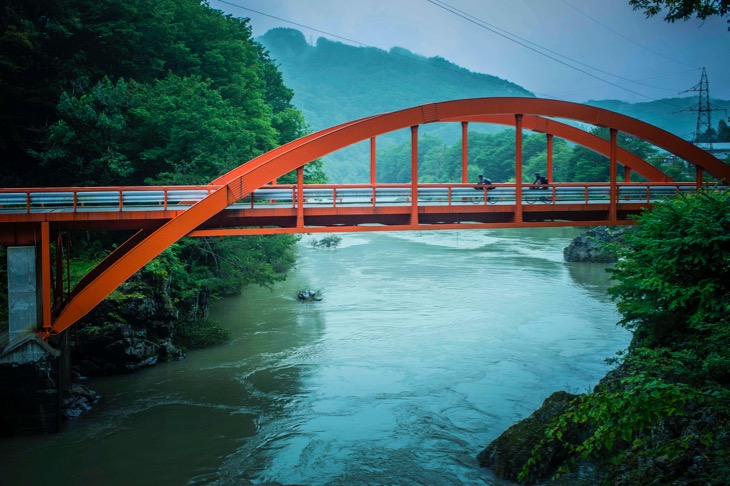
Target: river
425, 347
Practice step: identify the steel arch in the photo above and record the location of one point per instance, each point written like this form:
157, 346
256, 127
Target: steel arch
242, 180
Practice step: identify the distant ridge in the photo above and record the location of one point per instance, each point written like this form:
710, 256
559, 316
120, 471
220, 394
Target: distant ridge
335, 82
670, 114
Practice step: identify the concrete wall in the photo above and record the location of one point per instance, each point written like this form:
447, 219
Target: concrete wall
24, 295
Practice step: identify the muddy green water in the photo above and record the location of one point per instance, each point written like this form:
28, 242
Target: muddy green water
425, 347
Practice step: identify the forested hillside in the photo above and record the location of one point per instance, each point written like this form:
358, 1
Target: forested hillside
334, 82
103, 92
139, 92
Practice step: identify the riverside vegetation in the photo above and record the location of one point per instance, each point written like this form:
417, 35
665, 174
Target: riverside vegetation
661, 417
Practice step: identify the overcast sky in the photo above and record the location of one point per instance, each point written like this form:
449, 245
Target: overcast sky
574, 50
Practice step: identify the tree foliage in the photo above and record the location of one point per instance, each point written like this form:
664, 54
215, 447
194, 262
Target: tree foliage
636, 433
89, 85
674, 272
664, 419
145, 92
674, 10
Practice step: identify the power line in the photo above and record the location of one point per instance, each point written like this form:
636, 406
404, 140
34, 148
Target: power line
462, 71
511, 37
624, 37
507, 33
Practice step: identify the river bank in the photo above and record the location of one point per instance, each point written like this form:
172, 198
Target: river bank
661, 416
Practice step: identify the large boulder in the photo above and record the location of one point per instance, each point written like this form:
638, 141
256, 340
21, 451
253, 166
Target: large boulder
506, 455
132, 329
309, 295
591, 247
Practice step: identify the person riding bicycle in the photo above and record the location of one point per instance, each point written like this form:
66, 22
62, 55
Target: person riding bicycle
483, 181
539, 181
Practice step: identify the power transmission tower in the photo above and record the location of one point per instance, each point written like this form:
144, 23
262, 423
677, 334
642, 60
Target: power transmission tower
703, 132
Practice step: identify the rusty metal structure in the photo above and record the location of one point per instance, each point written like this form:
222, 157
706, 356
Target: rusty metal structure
245, 201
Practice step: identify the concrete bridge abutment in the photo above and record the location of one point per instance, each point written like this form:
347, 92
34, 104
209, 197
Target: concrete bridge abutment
33, 373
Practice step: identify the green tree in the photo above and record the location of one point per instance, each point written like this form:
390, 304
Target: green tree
87, 145
682, 9
167, 91
723, 131
189, 134
70, 50
674, 274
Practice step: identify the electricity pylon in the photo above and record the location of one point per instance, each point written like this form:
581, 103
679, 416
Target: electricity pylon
704, 110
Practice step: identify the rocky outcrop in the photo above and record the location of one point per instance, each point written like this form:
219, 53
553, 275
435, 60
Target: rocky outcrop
591, 247
131, 330
506, 454
78, 400
118, 348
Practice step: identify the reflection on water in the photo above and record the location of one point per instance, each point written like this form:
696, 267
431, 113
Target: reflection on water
425, 347
592, 277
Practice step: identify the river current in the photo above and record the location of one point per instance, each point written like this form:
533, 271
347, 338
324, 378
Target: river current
424, 348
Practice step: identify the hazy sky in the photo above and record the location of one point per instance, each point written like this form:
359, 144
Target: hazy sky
574, 50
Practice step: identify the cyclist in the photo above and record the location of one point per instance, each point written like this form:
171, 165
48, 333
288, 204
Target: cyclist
539, 181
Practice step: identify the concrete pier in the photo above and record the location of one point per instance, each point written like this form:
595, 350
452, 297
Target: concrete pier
32, 372
24, 297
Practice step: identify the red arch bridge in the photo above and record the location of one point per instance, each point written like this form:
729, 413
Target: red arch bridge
245, 201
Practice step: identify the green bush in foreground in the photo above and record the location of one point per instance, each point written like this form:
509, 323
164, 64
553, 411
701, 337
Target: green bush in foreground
662, 418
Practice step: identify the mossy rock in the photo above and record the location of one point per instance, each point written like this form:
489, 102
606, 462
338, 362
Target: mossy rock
506, 455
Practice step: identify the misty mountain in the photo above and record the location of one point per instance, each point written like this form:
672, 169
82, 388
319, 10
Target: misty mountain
335, 82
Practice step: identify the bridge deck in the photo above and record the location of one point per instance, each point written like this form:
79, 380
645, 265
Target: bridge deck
323, 206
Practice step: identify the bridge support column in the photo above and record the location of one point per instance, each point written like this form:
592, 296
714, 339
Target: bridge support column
24, 300
300, 197
465, 152
698, 176
414, 175
518, 168
373, 164
29, 291
613, 191
550, 157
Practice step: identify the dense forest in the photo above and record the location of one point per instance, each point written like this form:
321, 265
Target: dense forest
144, 92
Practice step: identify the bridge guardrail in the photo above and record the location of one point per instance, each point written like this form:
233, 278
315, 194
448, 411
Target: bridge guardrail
155, 198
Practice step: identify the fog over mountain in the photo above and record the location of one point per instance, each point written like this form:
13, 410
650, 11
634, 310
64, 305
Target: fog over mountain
336, 82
